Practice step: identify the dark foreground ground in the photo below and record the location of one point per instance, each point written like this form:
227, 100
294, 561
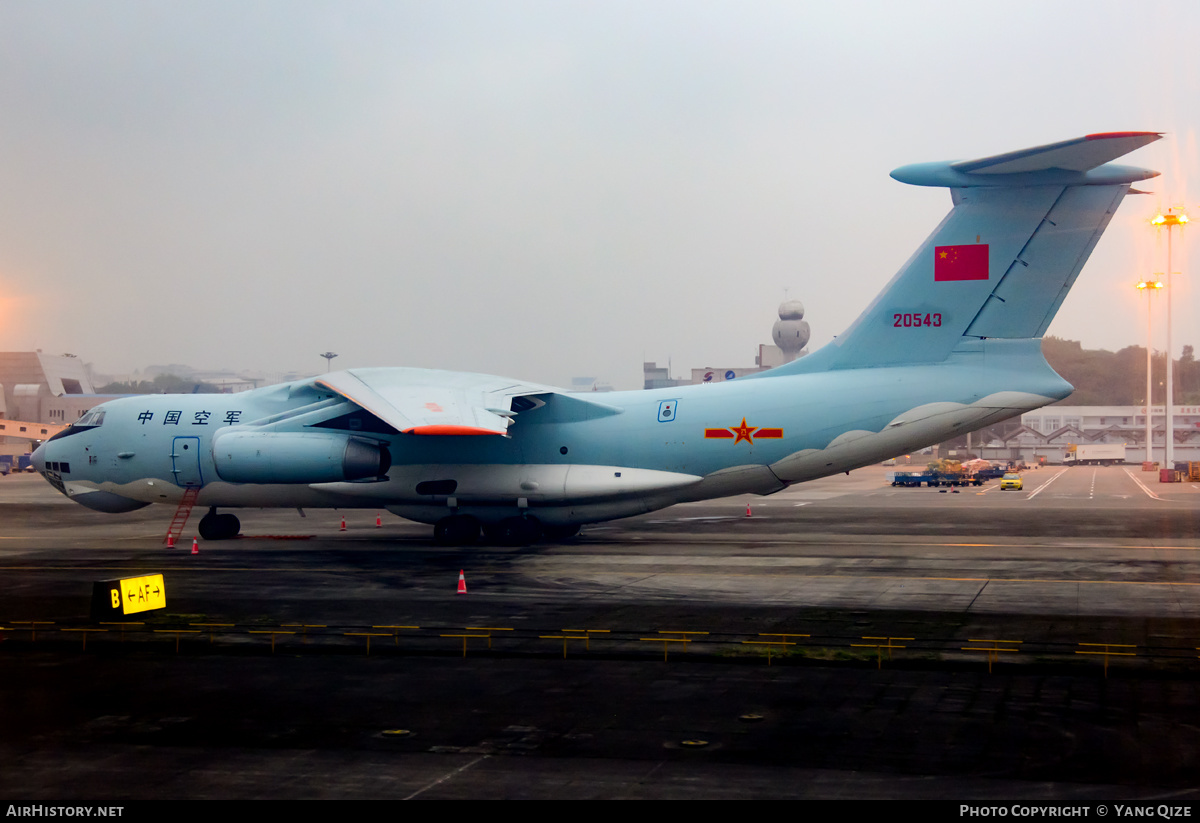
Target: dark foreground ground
849, 563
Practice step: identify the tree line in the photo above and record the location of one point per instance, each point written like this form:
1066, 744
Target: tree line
1105, 378
161, 384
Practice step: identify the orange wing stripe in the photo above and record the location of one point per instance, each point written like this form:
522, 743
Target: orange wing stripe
446, 429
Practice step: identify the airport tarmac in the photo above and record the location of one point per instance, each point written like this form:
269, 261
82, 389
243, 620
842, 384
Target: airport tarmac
1080, 558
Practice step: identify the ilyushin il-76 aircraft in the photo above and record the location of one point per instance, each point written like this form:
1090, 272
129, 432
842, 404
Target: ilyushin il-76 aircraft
951, 344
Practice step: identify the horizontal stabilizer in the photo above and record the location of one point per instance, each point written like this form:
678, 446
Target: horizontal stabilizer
1078, 162
1080, 154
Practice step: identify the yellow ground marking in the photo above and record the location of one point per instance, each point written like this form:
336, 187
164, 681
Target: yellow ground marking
212, 627
85, 634
770, 644
488, 629
1106, 649
368, 635
464, 639
586, 635
645, 574
994, 650
565, 638
272, 632
889, 644
666, 641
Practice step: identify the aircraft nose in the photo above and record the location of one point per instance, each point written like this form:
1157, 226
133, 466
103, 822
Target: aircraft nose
38, 458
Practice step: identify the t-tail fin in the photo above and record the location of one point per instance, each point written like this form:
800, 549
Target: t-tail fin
1003, 259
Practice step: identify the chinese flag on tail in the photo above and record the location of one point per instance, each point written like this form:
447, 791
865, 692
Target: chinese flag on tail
969, 262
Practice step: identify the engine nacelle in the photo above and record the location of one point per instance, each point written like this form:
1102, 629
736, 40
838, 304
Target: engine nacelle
296, 457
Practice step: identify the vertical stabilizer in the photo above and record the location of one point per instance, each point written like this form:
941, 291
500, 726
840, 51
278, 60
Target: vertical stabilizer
1001, 262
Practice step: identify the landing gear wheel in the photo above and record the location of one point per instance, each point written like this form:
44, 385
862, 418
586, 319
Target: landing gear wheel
215, 526
560, 532
231, 526
518, 531
456, 530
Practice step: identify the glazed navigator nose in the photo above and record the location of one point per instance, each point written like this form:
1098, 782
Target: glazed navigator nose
38, 458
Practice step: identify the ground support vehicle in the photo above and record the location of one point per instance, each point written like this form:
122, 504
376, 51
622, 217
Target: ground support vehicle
1011, 481
913, 478
956, 479
933, 478
1096, 454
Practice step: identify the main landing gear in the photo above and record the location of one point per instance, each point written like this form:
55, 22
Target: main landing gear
464, 530
215, 526
456, 530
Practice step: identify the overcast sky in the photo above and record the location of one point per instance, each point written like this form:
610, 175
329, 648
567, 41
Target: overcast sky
539, 189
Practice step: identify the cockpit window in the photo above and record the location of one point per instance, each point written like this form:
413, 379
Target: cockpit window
93, 418
90, 420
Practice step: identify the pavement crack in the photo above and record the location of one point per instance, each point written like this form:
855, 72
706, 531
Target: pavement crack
447, 776
976, 597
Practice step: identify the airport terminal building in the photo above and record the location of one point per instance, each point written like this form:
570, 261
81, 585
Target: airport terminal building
1050, 431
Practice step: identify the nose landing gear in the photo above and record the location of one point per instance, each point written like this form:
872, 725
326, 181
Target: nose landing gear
215, 526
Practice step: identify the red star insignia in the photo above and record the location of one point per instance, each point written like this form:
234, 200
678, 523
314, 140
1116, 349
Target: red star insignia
744, 432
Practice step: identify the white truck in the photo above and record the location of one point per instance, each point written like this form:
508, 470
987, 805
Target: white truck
1096, 454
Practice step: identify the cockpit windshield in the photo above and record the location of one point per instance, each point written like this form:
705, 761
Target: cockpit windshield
90, 420
93, 418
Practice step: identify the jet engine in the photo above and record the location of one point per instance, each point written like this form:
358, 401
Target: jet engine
296, 457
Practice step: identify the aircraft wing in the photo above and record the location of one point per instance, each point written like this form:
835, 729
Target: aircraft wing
431, 402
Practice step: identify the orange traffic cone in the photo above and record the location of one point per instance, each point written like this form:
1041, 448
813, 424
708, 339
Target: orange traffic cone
195, 546
378, 521
343, 524
748, 510
462, 583
170, 541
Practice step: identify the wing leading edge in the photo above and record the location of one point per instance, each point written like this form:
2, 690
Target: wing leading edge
431, 402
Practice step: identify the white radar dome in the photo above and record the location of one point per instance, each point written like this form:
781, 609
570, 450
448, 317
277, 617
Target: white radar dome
791, 310
790, 331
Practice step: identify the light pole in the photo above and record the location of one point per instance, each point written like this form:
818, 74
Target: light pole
328, 355
1149, 286
1170, 220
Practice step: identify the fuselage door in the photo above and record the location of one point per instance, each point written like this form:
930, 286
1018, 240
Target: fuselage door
185, 461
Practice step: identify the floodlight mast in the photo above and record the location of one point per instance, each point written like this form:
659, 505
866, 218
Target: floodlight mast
1171, 219
1149, 286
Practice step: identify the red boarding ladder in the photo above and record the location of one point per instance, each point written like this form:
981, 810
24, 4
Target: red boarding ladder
181, 514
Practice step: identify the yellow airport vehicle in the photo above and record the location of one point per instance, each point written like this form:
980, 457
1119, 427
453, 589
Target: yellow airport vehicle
1012, 480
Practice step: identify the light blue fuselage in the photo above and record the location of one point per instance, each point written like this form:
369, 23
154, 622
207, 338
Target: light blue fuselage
145, 452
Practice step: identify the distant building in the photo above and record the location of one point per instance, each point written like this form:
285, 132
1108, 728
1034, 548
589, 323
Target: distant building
659, 377
226, 382
582, 384
44, 388
790, 332
1048, 433
1052, 428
